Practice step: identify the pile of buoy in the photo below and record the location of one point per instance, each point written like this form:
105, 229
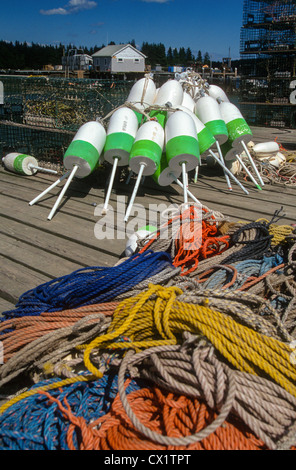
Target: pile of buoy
189, 343
164, 133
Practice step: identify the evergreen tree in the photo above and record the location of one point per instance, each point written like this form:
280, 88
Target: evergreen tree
199, 57
170, 57
207, 60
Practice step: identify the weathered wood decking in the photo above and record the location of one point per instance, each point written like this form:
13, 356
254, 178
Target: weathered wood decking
35, 250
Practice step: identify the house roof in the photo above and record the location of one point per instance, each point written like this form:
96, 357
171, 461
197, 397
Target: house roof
109, 51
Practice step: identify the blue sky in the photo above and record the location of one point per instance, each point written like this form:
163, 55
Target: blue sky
208, 25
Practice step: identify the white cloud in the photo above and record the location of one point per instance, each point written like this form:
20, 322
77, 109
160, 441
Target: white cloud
73, 6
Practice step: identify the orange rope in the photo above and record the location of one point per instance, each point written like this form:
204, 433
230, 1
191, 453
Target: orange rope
29, 328
163, 412
192, 245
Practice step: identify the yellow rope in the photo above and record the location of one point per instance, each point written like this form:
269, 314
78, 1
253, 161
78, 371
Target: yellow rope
279, 232
156, 317
44, 388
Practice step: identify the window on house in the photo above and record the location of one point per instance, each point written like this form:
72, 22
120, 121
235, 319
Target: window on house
136, 60
119, 59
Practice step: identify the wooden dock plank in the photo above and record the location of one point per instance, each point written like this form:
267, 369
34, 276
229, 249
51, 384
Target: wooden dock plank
50, 243
17, 279
28, 255
35, 250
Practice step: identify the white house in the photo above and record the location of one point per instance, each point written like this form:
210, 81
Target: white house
77, 60
119, 58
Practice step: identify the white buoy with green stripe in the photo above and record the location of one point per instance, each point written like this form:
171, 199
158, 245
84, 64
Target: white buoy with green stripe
169, 95
23, 164
165, 176
230, 154
217, 93
188, 102
81, 157
170, 92
239, 131
142, 95
237, 127
182, 148
208, 111
121, 133
145, 154
205, 138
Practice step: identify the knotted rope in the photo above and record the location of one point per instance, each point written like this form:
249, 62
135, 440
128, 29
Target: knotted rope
89, 285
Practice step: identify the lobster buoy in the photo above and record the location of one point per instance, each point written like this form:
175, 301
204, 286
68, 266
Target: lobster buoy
171, 92
228, 151
266, 149
208, 111
142, 95
181, 141
23, 164
121, 133
182, 148
237, 127
132, 242
80, 159
145, 154
205, 138
165, 176
188, 102
217, 93
85, 149
234, 161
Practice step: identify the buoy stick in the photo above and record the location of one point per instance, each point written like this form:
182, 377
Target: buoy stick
46, 170
222, 160
129, 177
49, 188
196, 173
228, 172
142, 167
72, 174
184, 177
248, 173
252, 162
115, 162
188, 192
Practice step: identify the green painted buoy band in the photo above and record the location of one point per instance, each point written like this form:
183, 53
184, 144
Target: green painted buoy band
146, 148
182, 145
81, 149
238, 128
18, 163
205, 140
217, 127
119, 140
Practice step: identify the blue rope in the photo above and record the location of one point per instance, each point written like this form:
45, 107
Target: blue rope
245, 269
90, 285
36, 423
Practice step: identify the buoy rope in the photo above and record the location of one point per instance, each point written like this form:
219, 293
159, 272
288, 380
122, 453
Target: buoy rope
188, 239
156, 317
88, 286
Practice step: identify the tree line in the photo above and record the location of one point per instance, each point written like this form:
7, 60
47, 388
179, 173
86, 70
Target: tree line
35, 56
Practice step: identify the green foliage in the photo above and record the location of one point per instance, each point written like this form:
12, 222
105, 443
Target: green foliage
35, 56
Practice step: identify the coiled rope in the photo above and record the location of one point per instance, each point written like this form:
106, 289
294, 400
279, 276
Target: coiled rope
189, 236
157, 317
88, 286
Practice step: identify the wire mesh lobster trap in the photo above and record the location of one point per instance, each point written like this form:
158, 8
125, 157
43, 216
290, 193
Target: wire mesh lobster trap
40, 115
268, 54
